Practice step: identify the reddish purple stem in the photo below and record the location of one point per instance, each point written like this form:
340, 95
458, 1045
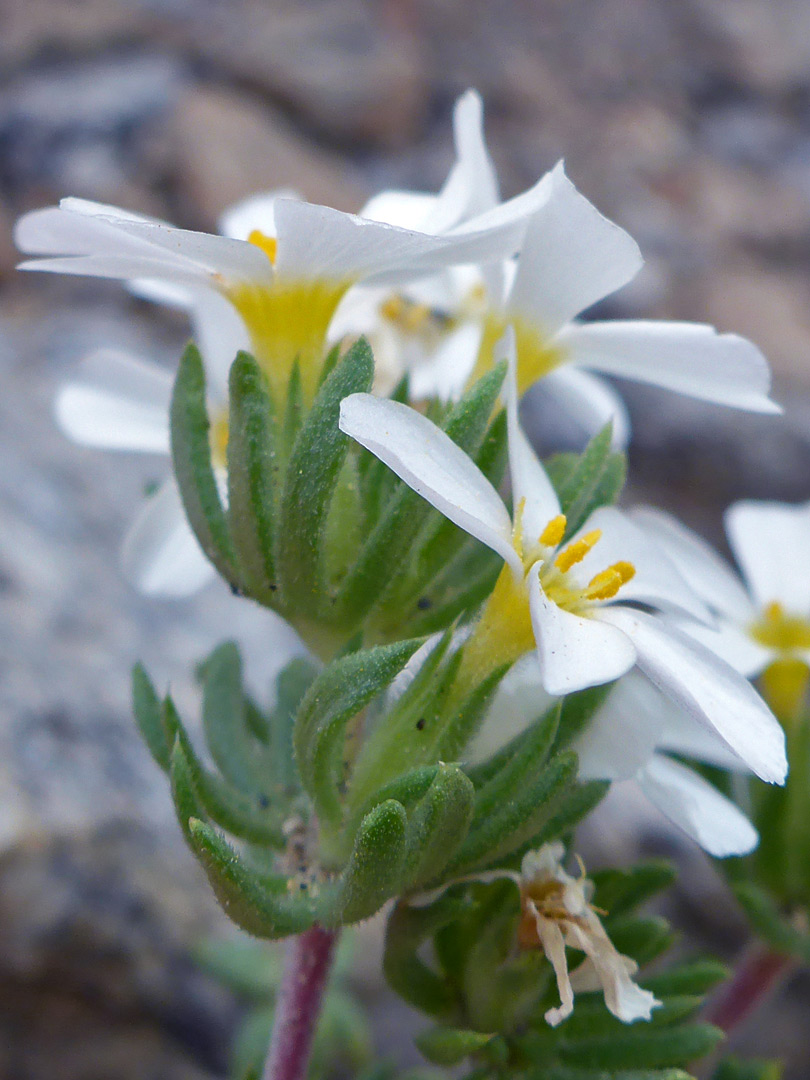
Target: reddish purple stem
307, 963
757, 976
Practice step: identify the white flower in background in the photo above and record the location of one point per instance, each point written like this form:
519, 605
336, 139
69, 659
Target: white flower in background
574, 604
285, 285
763, 620
556, 914
630, 739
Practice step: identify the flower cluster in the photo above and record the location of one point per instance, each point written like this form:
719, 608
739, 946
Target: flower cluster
365, 504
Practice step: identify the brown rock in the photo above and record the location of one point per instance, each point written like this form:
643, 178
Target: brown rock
31, 27
228, 146
772, 308
347, 75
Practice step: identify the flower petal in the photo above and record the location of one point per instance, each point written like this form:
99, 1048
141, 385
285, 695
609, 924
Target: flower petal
656, 580
624, 732
691, 358
433, 465
532, 491
254, 212
572, 256
698, 563
623, 998
732, 644
587, 400
711, 691
160, 553
691, 803
575, 652
771, 542
117, 402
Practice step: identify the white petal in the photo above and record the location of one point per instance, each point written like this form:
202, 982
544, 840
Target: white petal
734, 645
254, 212
318, 242
624, 733
532, 492
771, 542
623, 998
691, 803
572, 256
709, 575
444, 374
472, 186
161, 554
589, 401
117, 402
551, 938
431, 463
656, 581
574, 652
711, 691
519, 700
691, 358
682, 734
405, 209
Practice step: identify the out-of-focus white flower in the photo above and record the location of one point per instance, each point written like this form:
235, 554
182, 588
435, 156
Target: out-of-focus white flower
556, 913
574, 604
762, 620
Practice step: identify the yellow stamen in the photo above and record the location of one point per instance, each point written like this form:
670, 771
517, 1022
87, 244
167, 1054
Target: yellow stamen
577, 551
607, 583
392, 308
554, 531
784, 686
268, 244
779, 630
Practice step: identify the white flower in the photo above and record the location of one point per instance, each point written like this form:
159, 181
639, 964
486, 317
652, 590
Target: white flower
763, 619
574, 604
557, 914
629, 740
285, 285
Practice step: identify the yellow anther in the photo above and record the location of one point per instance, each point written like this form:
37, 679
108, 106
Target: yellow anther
415, 317
607, 583
774, 612
577, 551
554, 531
268, 244
392, 308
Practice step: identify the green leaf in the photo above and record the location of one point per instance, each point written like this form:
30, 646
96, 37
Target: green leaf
641, 938
438, 825
620, 890
405, 970
771, 925
252, 476
149, 716
693, 977
390, 543
595, 480
229, 738
191, 454
737, 1069
246, 898
647, 1049
373, 873
340, 691
517, 819
187, 805
315, 463
292, 683
450, 1046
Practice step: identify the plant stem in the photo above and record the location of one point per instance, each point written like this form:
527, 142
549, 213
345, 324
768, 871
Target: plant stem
758, 974
307, 964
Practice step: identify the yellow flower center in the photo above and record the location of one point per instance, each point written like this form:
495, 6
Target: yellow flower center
287, 322
785, 681
536, 357
504, 632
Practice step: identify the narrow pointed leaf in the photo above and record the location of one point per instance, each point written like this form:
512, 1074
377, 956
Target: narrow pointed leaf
405, 970
373, 873
148, 715
338, 694
450, 1046
191, 454
245, 897
438, 825
315, 462
229, 738
252, 476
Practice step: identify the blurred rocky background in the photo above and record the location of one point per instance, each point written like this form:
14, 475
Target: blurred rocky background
687, 122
